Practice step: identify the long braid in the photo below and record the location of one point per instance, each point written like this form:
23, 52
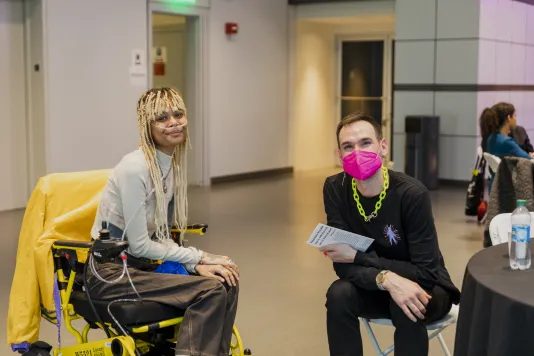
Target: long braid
152, 104
181, 207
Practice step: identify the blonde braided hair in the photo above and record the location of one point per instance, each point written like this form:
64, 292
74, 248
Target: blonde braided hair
151, 105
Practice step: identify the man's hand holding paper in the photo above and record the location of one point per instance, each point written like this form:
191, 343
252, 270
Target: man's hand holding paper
339, 245
339, 252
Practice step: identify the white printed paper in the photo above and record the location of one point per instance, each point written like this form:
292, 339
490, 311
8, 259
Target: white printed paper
325, 235
138, 77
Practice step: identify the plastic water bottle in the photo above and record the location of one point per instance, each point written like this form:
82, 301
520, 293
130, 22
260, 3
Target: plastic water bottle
520, 244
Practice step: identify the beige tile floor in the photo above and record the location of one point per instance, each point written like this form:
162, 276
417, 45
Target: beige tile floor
263, 226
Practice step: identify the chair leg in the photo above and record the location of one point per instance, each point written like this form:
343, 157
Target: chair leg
372, 337
443, 345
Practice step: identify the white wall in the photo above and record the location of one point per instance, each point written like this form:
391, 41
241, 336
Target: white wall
91, 105
248, 86
314, 106
13, 152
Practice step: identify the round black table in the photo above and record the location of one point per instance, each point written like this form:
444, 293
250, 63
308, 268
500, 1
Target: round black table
497, 307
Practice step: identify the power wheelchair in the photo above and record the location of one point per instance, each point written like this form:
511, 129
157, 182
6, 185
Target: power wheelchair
151, 328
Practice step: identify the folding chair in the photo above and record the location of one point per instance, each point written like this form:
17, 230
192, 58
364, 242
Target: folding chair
501, 226
436, 328
493, 161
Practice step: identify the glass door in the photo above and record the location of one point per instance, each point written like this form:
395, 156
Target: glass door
362, 77
365, 72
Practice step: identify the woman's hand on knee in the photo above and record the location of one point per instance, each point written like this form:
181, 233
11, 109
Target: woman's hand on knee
219, 272
232, 266
210, 259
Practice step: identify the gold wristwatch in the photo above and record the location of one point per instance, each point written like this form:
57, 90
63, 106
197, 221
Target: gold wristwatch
380, 278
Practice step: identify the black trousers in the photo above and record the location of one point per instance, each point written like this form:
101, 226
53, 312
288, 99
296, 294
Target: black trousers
346, 302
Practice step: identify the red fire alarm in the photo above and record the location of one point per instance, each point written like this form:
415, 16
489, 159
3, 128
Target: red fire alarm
159, 68
231, 28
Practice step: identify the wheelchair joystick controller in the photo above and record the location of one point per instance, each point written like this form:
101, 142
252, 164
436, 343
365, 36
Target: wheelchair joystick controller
107, 248
104, 233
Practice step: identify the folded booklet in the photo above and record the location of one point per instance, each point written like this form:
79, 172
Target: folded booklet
325, 235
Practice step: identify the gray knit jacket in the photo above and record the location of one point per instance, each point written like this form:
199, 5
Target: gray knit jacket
513, 180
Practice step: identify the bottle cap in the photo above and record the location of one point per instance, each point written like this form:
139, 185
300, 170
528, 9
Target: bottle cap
521, 202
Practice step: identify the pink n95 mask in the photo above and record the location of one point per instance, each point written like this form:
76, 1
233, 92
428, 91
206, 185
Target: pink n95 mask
361, 165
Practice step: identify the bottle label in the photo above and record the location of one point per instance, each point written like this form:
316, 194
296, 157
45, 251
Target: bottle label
521, 234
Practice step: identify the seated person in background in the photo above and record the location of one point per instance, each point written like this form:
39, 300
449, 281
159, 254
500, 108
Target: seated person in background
496, 124
519, 134
402, 276
145, 193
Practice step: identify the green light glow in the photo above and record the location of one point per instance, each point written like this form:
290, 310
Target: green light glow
184, 2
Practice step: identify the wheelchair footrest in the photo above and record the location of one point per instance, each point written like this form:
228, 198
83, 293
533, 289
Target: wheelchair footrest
20, 348
39, 348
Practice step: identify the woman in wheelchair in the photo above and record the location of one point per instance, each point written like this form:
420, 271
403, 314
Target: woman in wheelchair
145, 194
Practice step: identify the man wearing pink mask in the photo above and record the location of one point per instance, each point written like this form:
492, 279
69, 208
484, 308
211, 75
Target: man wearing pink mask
402, 276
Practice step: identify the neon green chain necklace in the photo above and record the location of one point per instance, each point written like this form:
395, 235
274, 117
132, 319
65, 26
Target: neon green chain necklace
378, 204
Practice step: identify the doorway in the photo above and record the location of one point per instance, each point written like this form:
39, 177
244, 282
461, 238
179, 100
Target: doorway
365, 72
175, 60
13, 139
168, 53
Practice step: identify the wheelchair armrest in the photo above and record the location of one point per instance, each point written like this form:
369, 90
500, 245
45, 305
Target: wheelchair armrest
66, 257
193, 229
197, 229
103, 250
69, 245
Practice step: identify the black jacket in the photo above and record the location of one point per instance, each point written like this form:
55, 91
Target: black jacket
406, 240
519, 134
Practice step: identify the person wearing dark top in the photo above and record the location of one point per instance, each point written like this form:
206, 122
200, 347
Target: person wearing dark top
519, 134
402, 276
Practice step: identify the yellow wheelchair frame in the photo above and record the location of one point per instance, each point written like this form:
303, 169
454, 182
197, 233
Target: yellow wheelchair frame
117, 344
